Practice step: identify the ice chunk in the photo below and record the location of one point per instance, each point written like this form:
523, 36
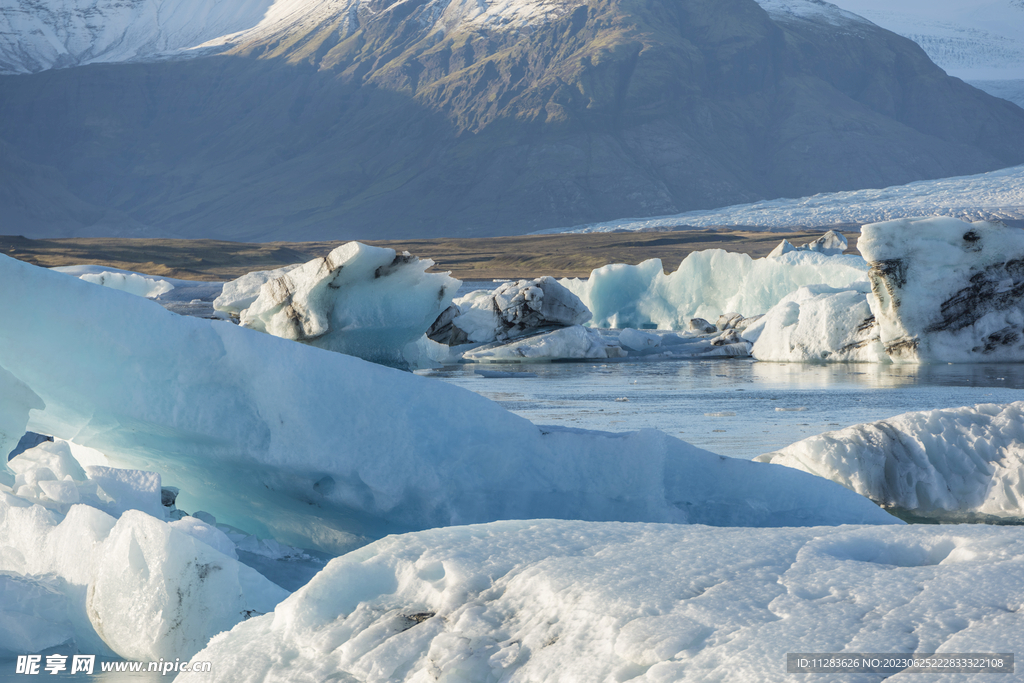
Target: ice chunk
514, 309
359, 300
576, 342
819, 323
255, 429
129, 489
543, 601
207, 533
946, 290
133, 283
706, 284
957, 464
238, 295
831, 243
135, 587
784, 247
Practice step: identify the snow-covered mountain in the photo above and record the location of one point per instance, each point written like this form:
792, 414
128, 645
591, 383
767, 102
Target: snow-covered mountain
998, 196
42, 34
337, 119
979, 41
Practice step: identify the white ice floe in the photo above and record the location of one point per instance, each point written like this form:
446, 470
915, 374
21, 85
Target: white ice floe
706, 284
945, 290
576, 342
126, 281
581, 343
322, 450
818, 323
550, 601
240, 293
364, 301
515, 309
956, 464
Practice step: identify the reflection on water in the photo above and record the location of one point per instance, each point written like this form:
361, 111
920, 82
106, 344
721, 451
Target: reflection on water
774, 404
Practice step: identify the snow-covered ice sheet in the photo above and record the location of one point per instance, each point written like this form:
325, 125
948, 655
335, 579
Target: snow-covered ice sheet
996, 195
819, 323
572, 601
957, 464
945, 290
706, 284
324, 451
369, 302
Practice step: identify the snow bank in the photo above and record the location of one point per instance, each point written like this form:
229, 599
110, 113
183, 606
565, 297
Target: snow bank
239, 294
572, 601
514, 309
706, 284
819, 323
363, 301
322, 450
946, 290
957, 464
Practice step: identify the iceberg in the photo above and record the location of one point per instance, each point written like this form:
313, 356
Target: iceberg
240, 293
363, 301
123, 280
576, 343
325, 451
515, 309
945, 290
541, 601
706, 284
957, 464
818, 323
832, 243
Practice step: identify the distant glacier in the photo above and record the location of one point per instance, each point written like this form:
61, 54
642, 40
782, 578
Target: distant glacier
997, 195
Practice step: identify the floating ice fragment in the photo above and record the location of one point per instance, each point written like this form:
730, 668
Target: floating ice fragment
722, 414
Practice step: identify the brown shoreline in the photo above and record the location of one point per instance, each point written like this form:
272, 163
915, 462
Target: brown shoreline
482, 258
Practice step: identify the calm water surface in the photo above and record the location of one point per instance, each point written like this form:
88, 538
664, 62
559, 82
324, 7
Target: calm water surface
740, 408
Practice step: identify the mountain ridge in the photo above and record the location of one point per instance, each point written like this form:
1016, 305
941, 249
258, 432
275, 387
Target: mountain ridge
387, 128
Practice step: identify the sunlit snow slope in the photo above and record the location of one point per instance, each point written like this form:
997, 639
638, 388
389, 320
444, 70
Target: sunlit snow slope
37, 35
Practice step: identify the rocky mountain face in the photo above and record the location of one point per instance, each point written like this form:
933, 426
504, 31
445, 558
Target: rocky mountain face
372, 119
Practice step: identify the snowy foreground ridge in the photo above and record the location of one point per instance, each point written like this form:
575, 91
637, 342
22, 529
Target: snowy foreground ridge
550, 601
322, 450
